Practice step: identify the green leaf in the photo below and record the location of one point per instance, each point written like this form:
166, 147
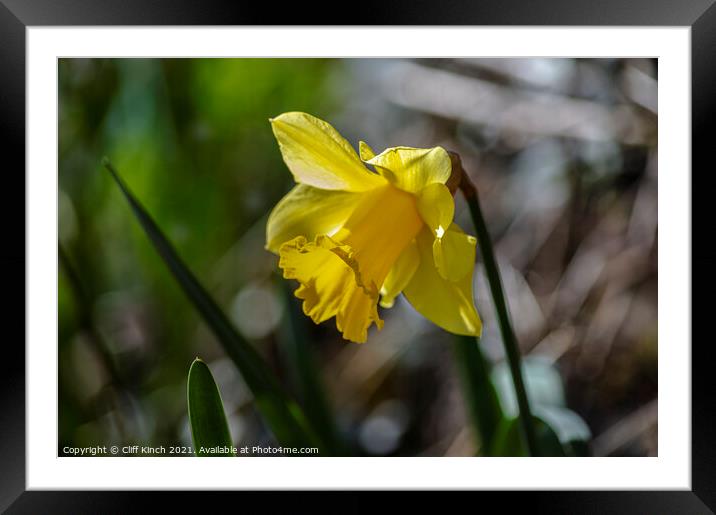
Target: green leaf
546, 394
570, 428
209, 428
542, 382
281, 413
509, 442
479, 392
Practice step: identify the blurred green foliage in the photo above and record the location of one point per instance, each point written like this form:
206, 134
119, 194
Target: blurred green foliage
192, 139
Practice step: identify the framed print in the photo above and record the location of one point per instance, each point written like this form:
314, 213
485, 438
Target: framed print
387, 256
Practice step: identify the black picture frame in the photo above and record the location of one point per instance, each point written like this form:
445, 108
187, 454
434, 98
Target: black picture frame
17, 15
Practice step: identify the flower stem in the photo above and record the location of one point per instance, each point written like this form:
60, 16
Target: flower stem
492, 272
481, 399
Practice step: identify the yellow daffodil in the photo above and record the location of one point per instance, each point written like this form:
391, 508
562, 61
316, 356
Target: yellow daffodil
351, 236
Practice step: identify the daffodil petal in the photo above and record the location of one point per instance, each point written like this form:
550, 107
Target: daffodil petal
319, 156
437, 207
411, 169
308, 211
400, 275
447, 304
454, 254
365, 151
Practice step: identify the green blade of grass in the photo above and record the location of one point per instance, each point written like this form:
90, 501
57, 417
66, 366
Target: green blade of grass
209, 428
283, 416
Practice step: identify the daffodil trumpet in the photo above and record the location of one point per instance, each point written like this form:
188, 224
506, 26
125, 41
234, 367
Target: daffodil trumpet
359, 229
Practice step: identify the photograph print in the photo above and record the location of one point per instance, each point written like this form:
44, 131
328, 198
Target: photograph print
357, 257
